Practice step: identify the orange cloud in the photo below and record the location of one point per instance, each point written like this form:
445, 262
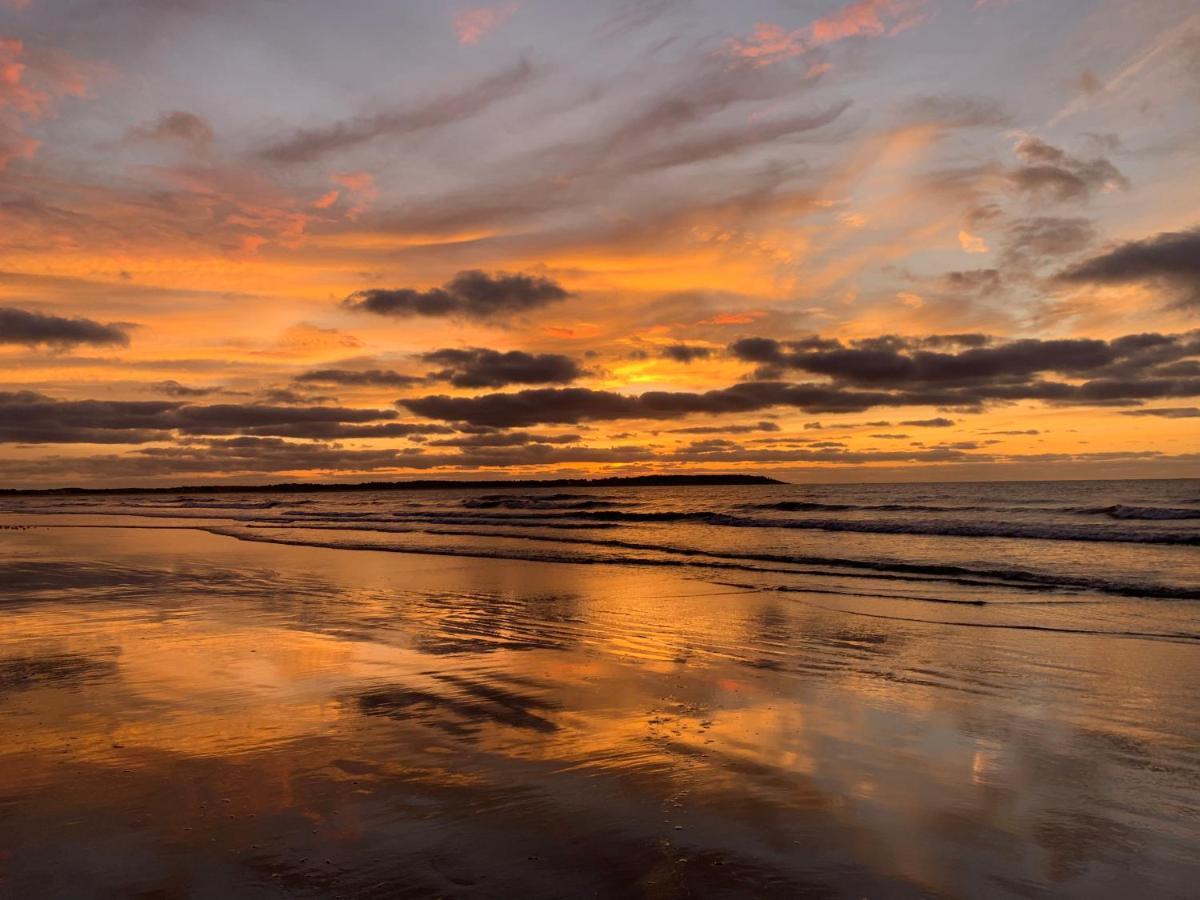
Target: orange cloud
355, 181
872, 17
14, 92
362, 186
972, 243
327, 200
733, 318
772, 43
472, 25
30, 83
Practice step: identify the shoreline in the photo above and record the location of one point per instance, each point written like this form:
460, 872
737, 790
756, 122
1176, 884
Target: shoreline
636, 481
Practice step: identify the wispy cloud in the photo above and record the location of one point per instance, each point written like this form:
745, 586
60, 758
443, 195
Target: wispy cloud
312, 143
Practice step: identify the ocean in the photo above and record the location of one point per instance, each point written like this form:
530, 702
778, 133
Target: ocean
765, 690
1020, 549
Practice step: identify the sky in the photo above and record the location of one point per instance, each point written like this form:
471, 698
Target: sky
879, 240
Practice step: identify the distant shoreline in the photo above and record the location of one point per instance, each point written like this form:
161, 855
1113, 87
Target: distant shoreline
421, 485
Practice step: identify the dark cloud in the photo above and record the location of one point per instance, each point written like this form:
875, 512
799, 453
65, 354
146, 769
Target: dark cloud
177, 125
684, 353
330, 431
506, 439
884, 371
896, 362
248, 456
293, 398
359, 378
477, 367
470, 295
1053, 174
472, 367
27, 417
1171, 259
258, 455
713, 445
1166, 412
226, 418
950, 372
551, 406
30, 418
972, 281
19, 326
173, 388
727, 429
313, 143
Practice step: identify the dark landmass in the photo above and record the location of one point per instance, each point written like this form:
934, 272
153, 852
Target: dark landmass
422, 485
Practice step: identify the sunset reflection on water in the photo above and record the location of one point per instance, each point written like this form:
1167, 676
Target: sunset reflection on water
189, 715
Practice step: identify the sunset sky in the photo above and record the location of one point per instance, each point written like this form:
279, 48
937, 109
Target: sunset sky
267, 240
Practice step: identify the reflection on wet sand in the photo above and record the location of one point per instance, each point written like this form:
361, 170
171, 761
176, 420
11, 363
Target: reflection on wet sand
188, 715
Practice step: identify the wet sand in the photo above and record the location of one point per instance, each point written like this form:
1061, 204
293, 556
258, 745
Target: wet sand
189, 715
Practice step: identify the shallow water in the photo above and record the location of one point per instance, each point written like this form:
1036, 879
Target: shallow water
204, 714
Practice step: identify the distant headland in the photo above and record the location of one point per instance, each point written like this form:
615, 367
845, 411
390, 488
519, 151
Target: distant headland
420, 485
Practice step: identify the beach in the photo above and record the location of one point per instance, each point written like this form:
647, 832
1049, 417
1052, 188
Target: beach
189, 711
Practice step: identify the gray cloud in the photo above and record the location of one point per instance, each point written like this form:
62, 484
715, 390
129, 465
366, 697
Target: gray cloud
1031, 242
477, 367
972, 281
359, 378
27, 417
293, 398
728, 429
877, 372
505, 439
225, 418
31, 418
1166, 412
1171, 259
574, 405
330, 431
19, 326
1053, 174
471, 295
896, 362
173, 388
177, 125
684, 353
